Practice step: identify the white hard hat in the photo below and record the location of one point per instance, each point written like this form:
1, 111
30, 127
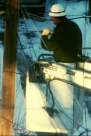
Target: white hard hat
57, 11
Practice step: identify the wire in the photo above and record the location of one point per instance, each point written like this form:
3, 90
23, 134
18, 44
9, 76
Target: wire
63, 110
30, 32
34, 26
43, 18
22, 128
49, 89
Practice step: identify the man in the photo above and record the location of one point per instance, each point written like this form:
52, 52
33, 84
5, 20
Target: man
66, 39
66, 43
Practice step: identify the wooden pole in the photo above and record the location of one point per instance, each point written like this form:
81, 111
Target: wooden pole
9, 69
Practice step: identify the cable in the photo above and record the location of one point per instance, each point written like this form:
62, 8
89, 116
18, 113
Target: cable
22, 128
65, 113
34, 26
53, 102
30, 32
48, 88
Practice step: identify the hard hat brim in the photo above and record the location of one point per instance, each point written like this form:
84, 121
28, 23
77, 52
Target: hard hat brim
57, 14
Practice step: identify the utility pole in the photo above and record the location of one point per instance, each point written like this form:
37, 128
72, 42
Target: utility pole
9, 69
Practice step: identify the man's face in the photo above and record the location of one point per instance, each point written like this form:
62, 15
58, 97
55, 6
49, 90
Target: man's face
56, 20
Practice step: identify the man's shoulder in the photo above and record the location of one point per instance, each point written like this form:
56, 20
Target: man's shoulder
72, 23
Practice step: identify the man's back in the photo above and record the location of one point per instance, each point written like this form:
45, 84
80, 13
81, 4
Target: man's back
66, 41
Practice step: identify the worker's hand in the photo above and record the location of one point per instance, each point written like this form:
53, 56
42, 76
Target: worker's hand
46, 31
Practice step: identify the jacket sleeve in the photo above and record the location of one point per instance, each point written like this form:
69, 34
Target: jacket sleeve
48, 43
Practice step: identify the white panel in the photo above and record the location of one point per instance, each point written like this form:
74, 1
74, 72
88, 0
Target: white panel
37, 119
67, 104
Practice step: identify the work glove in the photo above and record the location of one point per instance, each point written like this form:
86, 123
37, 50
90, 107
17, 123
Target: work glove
46, 31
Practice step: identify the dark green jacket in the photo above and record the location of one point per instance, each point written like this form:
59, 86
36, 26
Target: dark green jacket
65, 42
